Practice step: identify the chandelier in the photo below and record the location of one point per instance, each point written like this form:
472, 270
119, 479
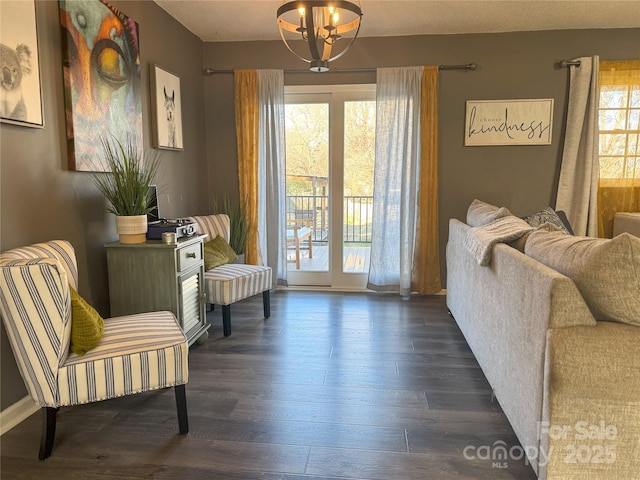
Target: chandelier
319, 31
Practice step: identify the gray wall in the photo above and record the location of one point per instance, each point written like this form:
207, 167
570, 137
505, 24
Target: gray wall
42, 200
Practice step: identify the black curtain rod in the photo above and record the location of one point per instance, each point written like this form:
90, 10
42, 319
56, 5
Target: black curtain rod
468, 66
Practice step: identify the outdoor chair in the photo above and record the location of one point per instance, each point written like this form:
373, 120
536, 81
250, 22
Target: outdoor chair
299, 230
136, 353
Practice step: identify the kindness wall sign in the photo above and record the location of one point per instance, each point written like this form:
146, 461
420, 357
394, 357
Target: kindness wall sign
508, 122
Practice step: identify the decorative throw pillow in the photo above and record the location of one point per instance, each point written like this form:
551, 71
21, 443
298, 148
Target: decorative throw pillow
548, 215
87, 326
481, 213
565, 221
218, 252
606, 271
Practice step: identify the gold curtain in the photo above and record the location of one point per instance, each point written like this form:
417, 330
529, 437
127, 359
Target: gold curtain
246, 109
426, 266
619, 184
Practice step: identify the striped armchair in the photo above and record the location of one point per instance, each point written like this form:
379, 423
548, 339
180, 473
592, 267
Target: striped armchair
137, 353
227, 284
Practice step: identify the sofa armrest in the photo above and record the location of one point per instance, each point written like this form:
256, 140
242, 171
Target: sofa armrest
592, 402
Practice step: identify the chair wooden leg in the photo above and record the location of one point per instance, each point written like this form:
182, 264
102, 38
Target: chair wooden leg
266, 303
181, 403
226, 320
48, 432
310, 248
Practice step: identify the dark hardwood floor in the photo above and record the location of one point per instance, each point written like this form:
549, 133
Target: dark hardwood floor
332, 386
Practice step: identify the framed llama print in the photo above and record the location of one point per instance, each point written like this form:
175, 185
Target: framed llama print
20, 89
166, 109
102, 86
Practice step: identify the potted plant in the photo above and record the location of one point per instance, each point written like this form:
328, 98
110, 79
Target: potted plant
126, 187
239, 226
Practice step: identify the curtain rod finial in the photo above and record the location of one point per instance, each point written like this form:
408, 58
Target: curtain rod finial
570, 63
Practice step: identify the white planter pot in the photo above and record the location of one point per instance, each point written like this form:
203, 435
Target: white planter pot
132, 229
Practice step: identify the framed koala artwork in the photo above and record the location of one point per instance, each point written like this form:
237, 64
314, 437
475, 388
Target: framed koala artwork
20, 88
166, 109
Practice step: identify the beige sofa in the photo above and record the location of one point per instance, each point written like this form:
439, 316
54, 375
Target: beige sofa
568, 381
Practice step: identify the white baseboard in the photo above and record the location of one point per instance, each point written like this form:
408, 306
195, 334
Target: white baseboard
16, 413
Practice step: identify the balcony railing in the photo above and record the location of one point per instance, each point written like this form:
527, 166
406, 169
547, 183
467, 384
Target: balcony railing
357, 216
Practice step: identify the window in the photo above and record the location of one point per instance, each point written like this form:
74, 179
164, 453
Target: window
619, 119
619, 136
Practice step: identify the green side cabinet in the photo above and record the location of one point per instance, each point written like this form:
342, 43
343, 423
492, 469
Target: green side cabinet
154, 276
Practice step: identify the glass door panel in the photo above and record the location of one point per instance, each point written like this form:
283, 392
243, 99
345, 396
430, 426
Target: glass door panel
307, 192
359, 154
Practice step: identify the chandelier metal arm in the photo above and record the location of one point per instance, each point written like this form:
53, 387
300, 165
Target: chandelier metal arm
353, 39
311, 33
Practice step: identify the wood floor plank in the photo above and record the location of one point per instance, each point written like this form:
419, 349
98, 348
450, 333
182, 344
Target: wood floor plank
466, 401
321, 394
476, 423
332, 386
364, 464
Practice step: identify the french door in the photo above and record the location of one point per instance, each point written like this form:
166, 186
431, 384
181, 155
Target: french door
330, 147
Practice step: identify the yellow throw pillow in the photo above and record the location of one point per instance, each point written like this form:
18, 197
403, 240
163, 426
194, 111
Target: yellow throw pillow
87, 326
218, 252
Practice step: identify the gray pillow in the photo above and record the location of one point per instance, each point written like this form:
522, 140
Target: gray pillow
606, 271
482, 213
548, 215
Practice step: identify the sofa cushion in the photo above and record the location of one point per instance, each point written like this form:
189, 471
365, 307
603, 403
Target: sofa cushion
606, 271
232, 282
482, 213
548, 215
138, 353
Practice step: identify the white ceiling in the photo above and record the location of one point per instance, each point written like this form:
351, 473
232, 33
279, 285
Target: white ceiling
242, 20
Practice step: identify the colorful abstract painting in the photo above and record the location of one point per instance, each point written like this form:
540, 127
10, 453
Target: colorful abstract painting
101, 62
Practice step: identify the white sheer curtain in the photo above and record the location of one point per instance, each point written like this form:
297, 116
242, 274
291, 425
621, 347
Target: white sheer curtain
271, 172
396, 178
578, 184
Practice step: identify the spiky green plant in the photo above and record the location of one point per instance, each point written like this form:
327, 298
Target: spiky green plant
126, 188
238, 223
